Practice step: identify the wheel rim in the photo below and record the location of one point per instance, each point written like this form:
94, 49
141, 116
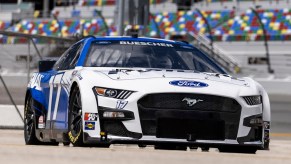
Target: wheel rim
76, 115
29, 119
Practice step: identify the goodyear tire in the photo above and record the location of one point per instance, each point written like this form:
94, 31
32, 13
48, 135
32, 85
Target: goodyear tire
29, 123
75, 125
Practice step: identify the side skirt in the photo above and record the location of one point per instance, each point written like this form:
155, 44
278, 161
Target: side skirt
47, 135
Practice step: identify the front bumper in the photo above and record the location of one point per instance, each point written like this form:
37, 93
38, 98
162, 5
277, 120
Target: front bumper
132, 131
150, 140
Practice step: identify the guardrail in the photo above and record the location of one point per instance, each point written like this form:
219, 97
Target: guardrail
226, 60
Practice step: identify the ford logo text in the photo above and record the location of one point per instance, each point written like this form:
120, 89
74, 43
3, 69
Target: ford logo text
187, 83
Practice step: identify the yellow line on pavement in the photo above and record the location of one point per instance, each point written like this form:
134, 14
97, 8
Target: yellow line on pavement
280, 134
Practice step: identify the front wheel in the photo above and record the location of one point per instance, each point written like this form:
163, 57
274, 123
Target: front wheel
75, 132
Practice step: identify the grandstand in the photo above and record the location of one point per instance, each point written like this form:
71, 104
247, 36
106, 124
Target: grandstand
234, 27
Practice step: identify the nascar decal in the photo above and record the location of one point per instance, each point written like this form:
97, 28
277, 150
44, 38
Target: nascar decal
91, 117
146, 43
77, 74
89, 125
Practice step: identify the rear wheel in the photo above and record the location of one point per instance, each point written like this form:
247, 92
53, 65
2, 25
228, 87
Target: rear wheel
29, 123
75, 133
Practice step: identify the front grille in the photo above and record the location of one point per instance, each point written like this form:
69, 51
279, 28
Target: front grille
197, 115
180, 101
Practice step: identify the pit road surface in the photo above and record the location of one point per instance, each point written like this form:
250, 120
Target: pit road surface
14, 151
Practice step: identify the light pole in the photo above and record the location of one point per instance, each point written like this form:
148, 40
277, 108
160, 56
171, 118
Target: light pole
120, 28
208, 29
98, 12
265, 38
55, 16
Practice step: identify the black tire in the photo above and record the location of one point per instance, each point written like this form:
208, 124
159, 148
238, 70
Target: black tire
245, 150
66, 143
142, 146
266, 145
205, 149
75, 125
29, 123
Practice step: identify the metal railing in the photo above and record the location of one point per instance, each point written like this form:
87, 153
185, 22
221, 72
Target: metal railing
224, 59
12, 7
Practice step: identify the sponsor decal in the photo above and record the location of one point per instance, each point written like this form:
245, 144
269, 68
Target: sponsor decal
74, 73
146, 43
77, 74
41, 123
188, 47
91, 117
73, 138
191, 102
89, 125
121, 104
103, 42
188, 83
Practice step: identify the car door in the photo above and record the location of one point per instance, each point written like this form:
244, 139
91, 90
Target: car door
60, 88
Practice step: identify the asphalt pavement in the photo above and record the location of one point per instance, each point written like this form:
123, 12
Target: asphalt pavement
14, 151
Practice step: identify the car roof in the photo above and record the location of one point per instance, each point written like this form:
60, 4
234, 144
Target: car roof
129, 38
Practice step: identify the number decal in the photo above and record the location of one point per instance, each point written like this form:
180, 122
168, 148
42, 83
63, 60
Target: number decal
50, 98
55, 81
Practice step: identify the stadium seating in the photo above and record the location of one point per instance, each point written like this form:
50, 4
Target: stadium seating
64, 27
246, 27
167, 23
224, 24
4, 25
96, 2
182, 22
110, 2
76, 13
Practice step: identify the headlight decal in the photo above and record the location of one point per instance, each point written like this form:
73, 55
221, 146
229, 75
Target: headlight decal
113, 93
253, 100
124, 94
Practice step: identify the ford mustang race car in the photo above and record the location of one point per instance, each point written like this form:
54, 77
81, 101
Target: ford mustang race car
144, 91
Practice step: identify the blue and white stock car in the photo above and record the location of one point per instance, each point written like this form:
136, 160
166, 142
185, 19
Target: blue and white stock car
144, 91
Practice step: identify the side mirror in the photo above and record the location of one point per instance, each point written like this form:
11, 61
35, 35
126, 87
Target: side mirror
46, 65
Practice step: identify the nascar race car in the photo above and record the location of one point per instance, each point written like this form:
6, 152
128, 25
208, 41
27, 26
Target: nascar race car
144, 91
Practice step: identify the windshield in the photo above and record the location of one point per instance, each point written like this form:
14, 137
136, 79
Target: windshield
133, 54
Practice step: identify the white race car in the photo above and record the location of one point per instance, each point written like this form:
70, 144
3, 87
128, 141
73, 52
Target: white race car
144, 91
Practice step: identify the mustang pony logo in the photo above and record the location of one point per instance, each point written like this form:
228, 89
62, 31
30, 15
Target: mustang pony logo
191, 102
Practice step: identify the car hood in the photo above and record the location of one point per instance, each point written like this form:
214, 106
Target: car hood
171, 74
